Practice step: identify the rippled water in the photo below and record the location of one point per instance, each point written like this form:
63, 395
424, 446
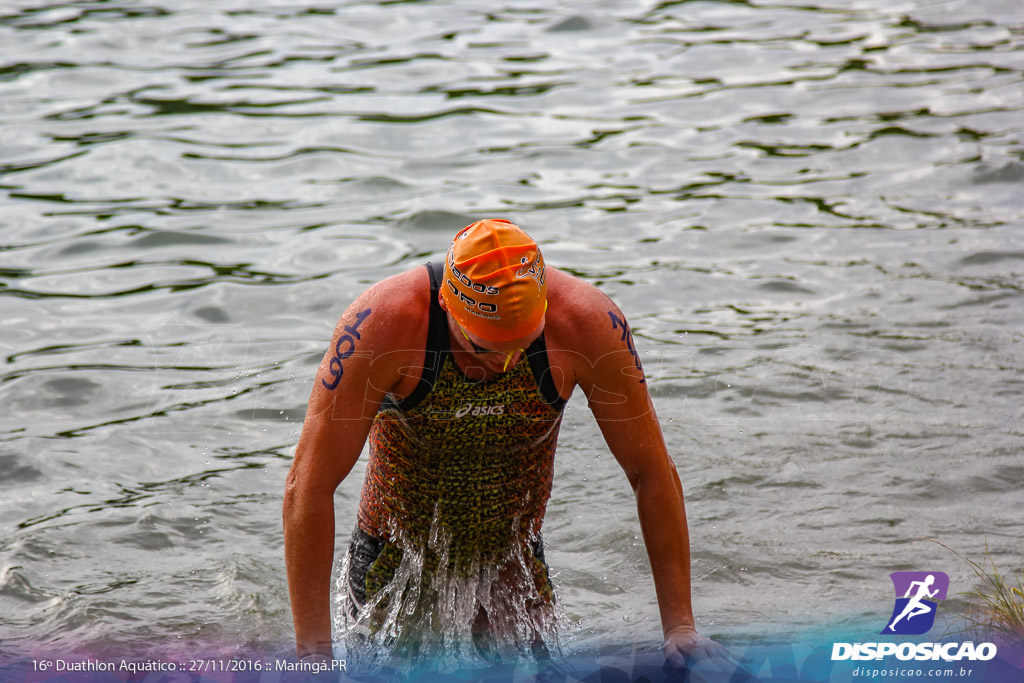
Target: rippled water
811, 212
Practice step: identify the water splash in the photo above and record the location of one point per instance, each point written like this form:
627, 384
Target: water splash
442, 612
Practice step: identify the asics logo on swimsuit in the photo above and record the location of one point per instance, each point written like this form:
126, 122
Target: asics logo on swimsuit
478, 411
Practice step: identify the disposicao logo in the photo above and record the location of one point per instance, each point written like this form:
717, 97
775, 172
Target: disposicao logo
917, 598
918, 595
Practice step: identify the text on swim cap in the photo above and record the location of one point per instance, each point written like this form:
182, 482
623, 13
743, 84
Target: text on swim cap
464, 279
470, 301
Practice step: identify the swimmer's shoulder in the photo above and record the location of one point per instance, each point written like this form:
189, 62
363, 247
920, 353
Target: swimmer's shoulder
390, 317
576, 311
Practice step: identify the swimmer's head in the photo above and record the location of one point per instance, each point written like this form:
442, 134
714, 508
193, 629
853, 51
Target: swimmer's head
495, 284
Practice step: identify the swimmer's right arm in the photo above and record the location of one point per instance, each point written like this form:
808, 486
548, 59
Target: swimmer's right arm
358, 370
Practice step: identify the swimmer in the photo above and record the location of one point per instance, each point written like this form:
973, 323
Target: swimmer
457, 375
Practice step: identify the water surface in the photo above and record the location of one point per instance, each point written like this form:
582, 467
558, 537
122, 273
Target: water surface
811, 213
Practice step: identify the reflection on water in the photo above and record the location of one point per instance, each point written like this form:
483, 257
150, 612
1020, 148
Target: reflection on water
810, 214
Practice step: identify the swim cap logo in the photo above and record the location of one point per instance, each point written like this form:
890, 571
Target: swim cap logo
534, 269
917, 598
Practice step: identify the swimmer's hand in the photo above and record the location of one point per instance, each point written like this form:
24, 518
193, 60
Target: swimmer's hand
685, 647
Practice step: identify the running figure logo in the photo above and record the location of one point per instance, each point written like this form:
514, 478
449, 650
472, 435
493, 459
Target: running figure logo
917, 597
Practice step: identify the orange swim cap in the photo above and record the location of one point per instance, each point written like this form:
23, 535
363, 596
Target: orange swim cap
494, 281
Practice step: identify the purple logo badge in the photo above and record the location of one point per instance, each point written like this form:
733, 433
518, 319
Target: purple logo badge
917, 597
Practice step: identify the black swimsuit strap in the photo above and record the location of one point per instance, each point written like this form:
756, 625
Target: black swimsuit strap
537, 355
437, 343
437, 346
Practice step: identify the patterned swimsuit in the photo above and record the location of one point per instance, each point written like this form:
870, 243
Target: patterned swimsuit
460, 475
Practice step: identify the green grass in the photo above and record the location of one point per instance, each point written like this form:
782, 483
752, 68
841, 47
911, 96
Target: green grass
997, 607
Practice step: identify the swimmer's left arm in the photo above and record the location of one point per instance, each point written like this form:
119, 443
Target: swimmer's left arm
613, 382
